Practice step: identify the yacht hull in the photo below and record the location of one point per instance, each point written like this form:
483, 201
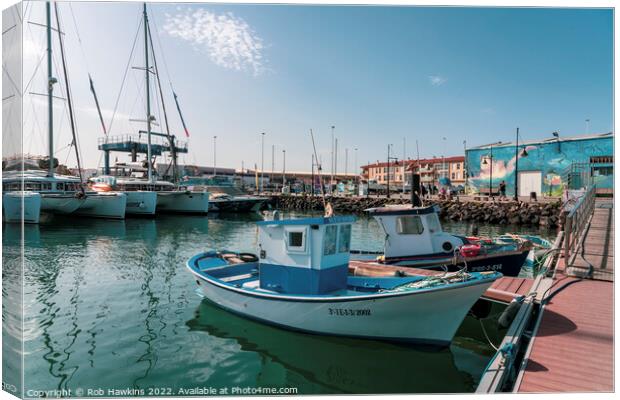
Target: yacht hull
60, 203
104, 205
183, 202
22, 206
141, 203
236, 204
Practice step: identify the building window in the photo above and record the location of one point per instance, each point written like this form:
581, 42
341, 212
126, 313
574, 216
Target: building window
601, 160
458, 166
453, 175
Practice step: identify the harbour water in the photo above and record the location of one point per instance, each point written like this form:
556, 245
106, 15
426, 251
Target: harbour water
109, 304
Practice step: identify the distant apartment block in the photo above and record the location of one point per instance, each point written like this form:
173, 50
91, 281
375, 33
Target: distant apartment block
429, 169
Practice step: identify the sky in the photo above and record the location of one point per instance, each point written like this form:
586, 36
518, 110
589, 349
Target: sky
381, 75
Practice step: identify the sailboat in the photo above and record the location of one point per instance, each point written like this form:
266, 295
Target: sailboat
134, 177
59, 194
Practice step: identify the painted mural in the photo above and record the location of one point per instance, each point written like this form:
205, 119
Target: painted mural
553, 159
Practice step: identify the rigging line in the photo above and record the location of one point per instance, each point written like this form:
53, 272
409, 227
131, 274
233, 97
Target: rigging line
161, 93
69, 97
8, 29
35, 72
161, 48
19, 17
6, 72
124, 76
79, 38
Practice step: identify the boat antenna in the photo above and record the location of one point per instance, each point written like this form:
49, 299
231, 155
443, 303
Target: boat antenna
320, 169
69, 99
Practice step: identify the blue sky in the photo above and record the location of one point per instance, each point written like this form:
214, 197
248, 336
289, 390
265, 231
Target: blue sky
379, 74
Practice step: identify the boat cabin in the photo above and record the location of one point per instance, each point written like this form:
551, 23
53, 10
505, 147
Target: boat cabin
413, 231
305, 256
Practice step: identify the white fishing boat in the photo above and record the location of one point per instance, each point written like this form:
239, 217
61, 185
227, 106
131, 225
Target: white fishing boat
414, 238
300, 281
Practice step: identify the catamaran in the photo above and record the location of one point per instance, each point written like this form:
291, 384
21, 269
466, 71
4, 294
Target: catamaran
136, 179
300, 281
414, 238
59, 194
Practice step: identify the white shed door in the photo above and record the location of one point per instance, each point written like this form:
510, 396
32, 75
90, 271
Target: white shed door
530, 181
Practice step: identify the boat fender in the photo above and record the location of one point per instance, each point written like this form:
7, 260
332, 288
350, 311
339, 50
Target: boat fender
481, 309
508, 315
469, 250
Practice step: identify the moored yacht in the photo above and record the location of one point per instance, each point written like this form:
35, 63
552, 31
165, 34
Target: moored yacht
133, 177
59, 194
139, 202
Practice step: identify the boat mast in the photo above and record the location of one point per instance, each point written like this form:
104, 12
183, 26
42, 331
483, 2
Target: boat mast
50, 91
148, 91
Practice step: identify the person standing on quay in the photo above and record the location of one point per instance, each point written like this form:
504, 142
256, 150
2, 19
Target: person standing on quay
502, 189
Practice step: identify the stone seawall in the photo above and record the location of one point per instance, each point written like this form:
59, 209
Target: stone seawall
492, 212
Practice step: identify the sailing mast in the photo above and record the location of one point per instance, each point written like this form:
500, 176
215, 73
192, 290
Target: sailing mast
148, 91
50, 92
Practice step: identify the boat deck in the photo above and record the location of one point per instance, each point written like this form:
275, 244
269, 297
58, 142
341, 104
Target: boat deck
572, 349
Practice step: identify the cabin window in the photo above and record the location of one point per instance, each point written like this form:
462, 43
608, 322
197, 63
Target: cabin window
344, 244
409, 225
433, 223
296, 240
329, 241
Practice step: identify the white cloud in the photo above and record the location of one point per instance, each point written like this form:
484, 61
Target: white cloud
228, 40
437, 80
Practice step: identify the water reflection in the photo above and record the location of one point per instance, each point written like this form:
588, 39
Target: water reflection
338, 365
110, 304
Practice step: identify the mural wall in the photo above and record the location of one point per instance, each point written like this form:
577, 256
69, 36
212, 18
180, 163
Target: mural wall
554, 159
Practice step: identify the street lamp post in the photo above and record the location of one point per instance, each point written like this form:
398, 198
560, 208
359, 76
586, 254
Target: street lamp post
283, 168
331, 181
214, 155
355, 167
388, 169
523, 154
491, 174
517, 167
262, 160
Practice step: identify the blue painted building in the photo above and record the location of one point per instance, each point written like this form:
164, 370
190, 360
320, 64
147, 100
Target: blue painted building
546, 167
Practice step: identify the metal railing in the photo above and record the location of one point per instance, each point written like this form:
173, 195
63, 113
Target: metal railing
576, 221
141, 139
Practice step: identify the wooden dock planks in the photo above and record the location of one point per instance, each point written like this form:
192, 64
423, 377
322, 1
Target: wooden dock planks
572, 350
